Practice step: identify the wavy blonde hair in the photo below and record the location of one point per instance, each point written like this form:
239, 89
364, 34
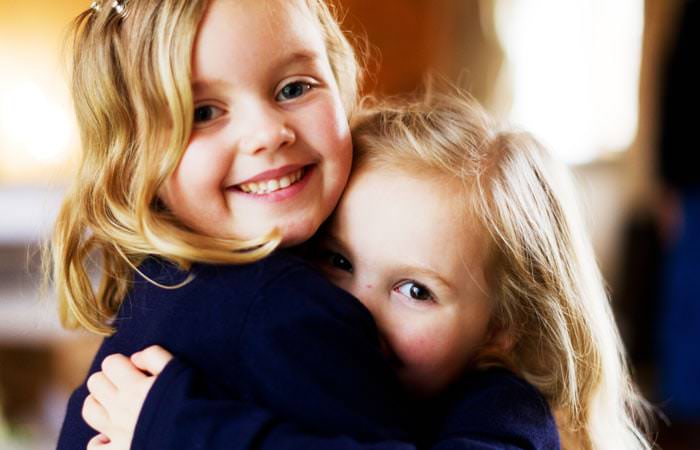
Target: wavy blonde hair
131, 76
547, 290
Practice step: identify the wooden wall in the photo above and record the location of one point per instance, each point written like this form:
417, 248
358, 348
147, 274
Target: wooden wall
408, 39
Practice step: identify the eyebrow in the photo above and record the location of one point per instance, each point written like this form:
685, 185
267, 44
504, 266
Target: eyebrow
298, 57
426, 271
201, 85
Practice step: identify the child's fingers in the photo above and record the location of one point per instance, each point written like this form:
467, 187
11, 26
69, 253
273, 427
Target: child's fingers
95, 415
152, 360
101, 388
121, 372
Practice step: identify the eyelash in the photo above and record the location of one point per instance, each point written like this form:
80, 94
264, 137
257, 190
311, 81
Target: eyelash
204, 121
327, 257
409, 296
306, 85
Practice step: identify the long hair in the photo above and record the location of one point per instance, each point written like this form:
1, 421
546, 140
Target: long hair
131, 89
543, 279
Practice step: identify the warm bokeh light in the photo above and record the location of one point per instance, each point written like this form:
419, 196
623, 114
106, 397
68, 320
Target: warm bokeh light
567, 70
574, 72
38, 135
31, 123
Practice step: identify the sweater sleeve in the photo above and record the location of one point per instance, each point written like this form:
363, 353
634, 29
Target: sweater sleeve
178, 415
485, 412
310, 352
312, 376
309, 356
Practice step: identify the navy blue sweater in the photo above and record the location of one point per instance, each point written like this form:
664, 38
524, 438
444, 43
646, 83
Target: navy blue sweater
297, 358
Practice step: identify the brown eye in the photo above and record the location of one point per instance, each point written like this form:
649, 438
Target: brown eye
206, 113
340, 262
337, 261
415, 291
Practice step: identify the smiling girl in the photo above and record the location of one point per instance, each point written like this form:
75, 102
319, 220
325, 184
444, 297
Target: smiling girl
214, 133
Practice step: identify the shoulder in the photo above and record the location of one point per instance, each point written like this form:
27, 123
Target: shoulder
291, 282
500, 386
164, 292
499, 404
275, 292
295, 303
272, 292
160, 274
281, 268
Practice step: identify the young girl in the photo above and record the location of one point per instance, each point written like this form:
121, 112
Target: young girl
463, 242
214, 132
477, 258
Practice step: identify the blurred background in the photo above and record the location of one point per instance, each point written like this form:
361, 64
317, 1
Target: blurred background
609, 86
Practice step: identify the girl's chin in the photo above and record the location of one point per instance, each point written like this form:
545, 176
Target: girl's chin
298, 233
294, 232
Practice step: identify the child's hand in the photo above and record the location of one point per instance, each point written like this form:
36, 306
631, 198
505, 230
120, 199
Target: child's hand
117, 395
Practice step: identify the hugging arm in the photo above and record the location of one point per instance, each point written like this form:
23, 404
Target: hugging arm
310, 363
485, 411
196, 422
307, 354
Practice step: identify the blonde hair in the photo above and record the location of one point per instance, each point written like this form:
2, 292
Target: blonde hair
131, 76
542, 275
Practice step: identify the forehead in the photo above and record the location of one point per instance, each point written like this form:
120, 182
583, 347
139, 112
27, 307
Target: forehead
251, 32
389, 215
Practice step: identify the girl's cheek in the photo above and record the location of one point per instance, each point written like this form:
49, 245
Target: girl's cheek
421, 343
333, 122
193, 165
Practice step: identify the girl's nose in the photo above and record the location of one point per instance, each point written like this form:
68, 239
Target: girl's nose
265, 131
370, 297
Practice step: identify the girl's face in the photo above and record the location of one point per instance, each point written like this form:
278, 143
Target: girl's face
270, 145
399, 244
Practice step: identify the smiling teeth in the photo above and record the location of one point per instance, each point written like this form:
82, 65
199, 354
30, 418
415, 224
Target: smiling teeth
269, 186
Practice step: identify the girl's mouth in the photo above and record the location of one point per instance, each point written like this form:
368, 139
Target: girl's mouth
265, 187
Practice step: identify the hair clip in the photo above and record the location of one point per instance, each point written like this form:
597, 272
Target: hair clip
119, 6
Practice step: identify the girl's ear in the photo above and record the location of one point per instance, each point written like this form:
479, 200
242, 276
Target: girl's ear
497, 349
500, 339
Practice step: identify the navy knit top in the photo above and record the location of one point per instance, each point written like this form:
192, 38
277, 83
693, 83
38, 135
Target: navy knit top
272, 355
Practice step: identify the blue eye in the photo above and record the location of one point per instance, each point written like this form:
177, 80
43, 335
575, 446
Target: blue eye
206, 113
415, 291
293, 90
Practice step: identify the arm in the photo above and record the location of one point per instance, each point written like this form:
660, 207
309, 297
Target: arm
483, 411
306, 352
310, 352
119, 391
274, 334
